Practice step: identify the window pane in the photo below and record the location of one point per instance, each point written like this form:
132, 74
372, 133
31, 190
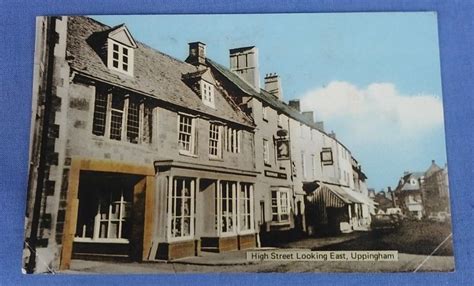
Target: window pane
100, 111
133, 122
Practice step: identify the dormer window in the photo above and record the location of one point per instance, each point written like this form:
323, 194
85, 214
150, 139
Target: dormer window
207, 93
120, 50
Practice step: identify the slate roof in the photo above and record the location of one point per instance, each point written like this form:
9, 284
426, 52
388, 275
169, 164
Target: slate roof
407, 186
155, 74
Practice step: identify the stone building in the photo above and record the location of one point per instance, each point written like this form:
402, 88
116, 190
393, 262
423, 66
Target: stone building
419, 194
142, 156
137, 155
296, 157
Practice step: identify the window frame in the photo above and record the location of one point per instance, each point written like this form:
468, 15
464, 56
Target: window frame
248, 190
233, 140
266, 152
283, 207
105, 110
230, 200
208, 94
265, 112
124, 210
191, 134
303, 165
124, 59
171, 207
218, 141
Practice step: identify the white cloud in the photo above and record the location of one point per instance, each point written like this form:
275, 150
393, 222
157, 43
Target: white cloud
375, 111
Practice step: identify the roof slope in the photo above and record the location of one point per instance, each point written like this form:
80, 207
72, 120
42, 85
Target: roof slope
155, 74
263, 95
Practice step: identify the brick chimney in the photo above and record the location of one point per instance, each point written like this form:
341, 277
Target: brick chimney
309, 115
244, 62
295, 103
273, 85
197, 54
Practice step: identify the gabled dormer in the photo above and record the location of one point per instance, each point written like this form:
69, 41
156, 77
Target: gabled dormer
204, 84
120, 47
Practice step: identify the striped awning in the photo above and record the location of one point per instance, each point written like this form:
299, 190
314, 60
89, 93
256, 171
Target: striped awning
333, 196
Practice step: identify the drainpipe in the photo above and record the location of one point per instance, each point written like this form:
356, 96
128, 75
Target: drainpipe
35, 218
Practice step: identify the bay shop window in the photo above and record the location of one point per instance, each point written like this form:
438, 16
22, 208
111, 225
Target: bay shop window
181, 209
234, 208
121, 116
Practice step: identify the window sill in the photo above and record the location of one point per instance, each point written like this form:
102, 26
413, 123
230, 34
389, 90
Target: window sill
101, 240
184, 153
280, 223
216, 159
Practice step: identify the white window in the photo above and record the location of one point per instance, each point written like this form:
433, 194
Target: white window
280, 119
181, 209
233, 140
207, 93
266, 152
186, 134
265, 112
215, 141
121, 117
303, 165
120, 57
245, 207
314, 164
280, 206
104, 216
226, 207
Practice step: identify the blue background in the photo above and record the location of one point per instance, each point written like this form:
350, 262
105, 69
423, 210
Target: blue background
17, 28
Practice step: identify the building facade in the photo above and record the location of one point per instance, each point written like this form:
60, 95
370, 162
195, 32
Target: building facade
419, 194
137, 155
145, 156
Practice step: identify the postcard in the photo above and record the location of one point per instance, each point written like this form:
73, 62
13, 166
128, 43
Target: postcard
237, 143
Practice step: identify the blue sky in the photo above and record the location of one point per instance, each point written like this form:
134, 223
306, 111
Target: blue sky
385, 64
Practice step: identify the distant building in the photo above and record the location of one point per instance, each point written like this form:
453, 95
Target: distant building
435, 188
420, 193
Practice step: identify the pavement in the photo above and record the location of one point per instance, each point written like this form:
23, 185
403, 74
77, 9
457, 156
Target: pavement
236, 261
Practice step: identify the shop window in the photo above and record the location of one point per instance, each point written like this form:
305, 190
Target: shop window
245, 210
181, 208
104, 211
280, 206
226, 207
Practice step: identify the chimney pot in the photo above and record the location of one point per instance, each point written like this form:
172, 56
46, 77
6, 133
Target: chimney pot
294, 103
273, 85
309, 115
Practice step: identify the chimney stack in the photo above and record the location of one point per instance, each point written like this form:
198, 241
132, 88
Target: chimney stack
320, 125
332, 134
273, 85
197, 54
244, 62
309, 115
295, 103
